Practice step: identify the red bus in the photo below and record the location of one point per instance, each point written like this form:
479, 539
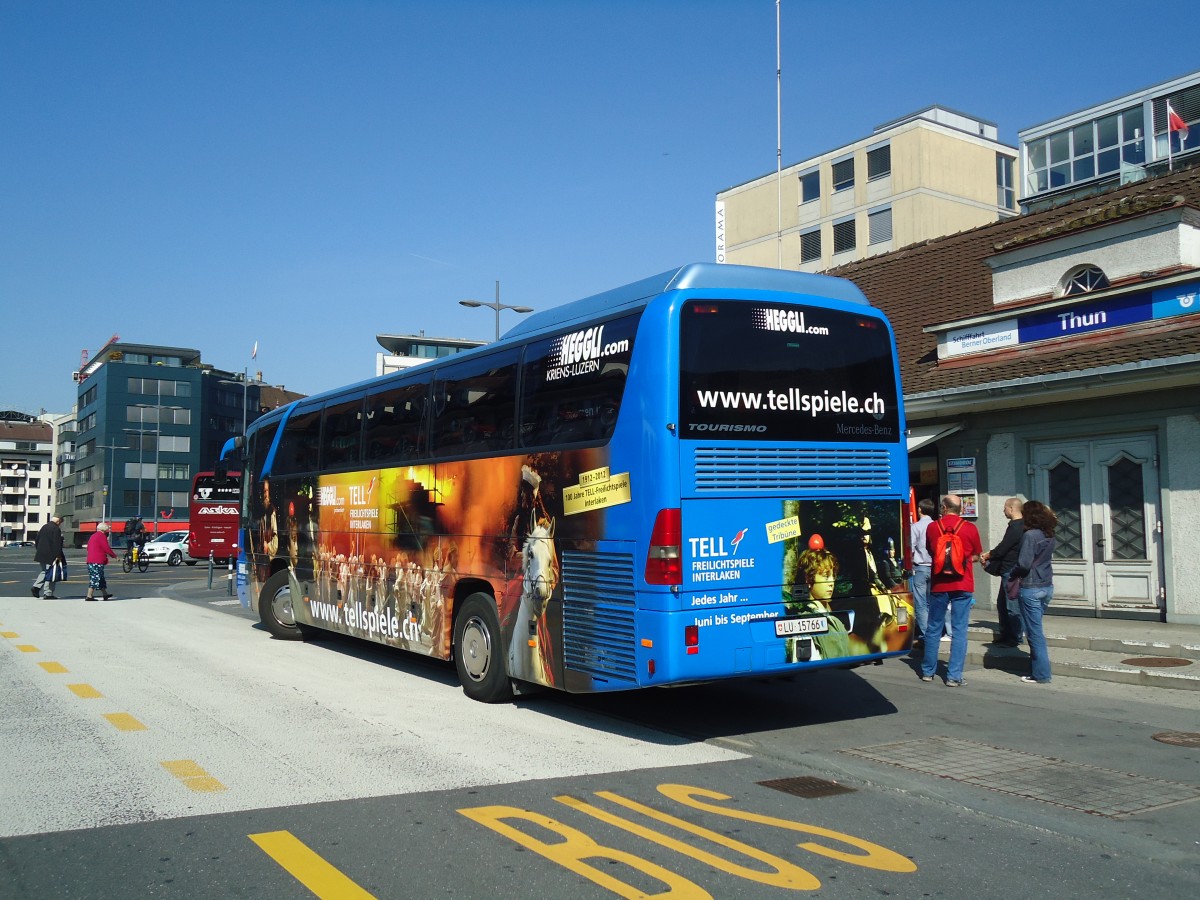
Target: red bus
213, 513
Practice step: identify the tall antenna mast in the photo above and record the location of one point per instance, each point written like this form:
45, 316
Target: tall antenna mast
778, 141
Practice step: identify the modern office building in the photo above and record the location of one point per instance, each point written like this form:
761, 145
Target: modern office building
148, 419
26, 476
1111, 143
406, 350
925, 175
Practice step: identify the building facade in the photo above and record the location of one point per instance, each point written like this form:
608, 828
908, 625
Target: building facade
1056, 356
148, 419
1112, 143
26, 476
402, 351
932, 173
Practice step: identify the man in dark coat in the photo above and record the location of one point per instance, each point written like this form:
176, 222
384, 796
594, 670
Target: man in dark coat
49, 551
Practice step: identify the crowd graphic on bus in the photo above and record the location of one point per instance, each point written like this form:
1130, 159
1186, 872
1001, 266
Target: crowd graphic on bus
839, 568
378, 554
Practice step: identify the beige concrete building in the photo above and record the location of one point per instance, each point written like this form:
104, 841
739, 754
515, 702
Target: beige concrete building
929, 174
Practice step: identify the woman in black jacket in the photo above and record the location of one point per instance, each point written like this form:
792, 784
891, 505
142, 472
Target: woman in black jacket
1008, 611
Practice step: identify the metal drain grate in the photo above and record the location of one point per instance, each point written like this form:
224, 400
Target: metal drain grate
807, 786
1178, 738
1156, 662
1100, 792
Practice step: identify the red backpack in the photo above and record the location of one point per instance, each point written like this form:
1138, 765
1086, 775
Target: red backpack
948, 552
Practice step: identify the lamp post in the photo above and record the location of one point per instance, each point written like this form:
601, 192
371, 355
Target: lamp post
106, 506
497, 306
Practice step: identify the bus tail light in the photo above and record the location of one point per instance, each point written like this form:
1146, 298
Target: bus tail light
691, 638
664, 564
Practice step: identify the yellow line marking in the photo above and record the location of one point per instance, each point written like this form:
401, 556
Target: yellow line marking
306, 866
54, 668
86, 691
9, 634
125, 722
28, 648
193, 777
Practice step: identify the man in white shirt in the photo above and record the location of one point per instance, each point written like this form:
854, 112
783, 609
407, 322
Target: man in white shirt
921, 566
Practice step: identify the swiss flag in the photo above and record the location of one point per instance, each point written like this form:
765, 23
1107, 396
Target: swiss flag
1175, 123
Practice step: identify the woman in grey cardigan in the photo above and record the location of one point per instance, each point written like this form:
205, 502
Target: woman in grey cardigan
1035, 569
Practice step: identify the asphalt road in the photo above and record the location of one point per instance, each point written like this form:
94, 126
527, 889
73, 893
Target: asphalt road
164, 747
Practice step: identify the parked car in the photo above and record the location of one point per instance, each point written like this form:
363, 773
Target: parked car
170, 547
15, 544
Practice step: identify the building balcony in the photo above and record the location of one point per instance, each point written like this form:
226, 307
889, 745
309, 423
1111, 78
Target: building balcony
12, 508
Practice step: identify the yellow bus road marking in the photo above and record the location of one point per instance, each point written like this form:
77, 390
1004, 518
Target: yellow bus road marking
54, 668
578, 852
86, 691
306, 866
193, 777
9, 634
28, 648
124, 722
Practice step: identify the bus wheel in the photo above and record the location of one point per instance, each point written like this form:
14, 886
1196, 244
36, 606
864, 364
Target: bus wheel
275, 608
479, 652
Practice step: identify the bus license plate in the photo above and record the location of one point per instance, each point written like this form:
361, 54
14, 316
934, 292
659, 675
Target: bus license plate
791, 627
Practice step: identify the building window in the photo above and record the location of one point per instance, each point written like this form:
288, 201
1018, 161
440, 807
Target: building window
843, 236
843, 175
1083, 280
810, 187
810, 245
879, 162
89, 396
1006, 195
879, 224
1086, 151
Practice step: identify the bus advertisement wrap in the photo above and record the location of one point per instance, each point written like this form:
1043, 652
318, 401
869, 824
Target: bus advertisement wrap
377, 554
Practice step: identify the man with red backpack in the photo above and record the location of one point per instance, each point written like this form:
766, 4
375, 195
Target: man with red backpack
954, 545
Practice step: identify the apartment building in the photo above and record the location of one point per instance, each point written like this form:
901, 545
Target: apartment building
924, 175
26, 476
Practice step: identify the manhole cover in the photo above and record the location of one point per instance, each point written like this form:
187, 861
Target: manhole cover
1156, 662
1178, 738
807, 786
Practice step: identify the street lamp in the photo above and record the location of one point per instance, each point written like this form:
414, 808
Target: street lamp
158, 411
497, 306
106, 506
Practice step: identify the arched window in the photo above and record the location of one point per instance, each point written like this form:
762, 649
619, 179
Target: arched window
1083, 280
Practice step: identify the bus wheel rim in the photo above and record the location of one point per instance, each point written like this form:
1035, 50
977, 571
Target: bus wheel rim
476, 649
281, 606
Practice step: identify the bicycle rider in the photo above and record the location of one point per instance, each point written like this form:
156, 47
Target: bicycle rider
135, 535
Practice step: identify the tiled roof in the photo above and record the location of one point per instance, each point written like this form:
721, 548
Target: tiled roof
947, 278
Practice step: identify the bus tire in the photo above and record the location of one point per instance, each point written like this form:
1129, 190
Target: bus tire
479, 653
275, 608
175, 558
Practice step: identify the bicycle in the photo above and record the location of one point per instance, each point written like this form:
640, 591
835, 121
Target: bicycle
134, 557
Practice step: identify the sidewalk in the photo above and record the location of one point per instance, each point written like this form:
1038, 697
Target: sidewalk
1154, 654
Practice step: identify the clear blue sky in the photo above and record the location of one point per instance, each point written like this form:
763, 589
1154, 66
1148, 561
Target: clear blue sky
308, 174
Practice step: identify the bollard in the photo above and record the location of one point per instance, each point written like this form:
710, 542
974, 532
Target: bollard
210, 569
231, 561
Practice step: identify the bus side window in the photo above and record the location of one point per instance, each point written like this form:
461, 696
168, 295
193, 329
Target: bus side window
475, 405
395, 423
341, 436
562, 407
299, 450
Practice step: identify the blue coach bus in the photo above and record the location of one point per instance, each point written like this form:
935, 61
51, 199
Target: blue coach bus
694, 477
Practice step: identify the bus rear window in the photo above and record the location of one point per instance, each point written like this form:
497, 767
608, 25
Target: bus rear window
781, 372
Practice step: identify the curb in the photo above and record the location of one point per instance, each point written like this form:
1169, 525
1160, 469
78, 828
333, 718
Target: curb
1101, 659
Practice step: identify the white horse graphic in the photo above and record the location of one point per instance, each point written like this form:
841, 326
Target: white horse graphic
539, 569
